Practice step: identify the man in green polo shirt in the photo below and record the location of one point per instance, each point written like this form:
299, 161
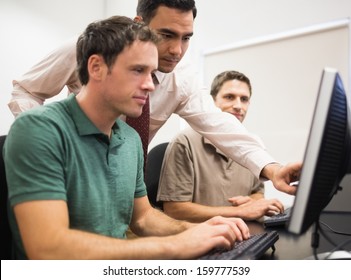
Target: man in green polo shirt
75, 172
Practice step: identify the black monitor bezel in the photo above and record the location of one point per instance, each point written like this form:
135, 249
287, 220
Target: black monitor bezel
326, 153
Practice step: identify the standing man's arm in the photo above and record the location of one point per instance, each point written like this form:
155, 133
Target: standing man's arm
283, 175
46, 79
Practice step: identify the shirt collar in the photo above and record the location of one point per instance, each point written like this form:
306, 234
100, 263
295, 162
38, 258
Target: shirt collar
83, 124
159, 77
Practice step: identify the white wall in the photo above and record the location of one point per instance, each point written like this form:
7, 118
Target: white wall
224, 21
121, 7
31, 28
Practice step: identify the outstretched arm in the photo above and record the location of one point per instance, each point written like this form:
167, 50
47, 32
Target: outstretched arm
283, 175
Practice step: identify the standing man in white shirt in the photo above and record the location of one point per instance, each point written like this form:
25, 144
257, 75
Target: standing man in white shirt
177, 91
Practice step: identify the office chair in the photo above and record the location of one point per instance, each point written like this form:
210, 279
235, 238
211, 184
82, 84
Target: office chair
152, 172
6, 239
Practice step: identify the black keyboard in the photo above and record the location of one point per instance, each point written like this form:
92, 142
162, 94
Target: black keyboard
249, 249
279, 219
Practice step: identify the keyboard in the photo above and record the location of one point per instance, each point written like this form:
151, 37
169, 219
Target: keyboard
249, 249
278, 220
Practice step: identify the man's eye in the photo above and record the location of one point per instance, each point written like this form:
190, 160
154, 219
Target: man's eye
165, 36
138, 70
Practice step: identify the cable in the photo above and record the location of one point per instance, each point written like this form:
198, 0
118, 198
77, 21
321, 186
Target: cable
329, 239
340, 246
315, 240
335, 231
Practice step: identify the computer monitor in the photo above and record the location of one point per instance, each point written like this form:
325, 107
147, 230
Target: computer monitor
326, 163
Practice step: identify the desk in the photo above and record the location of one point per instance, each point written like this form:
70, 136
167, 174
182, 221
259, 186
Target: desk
292, 247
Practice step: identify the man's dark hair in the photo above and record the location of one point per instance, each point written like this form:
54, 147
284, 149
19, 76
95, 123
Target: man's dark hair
147, 8
221, 78
108, 38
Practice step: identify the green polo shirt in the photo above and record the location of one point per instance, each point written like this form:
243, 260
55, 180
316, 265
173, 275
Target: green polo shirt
54, 152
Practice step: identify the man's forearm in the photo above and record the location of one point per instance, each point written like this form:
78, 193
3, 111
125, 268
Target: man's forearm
269, 170
282, 176
156, 223
198, 213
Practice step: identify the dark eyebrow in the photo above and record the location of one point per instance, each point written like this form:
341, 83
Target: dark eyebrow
169, 31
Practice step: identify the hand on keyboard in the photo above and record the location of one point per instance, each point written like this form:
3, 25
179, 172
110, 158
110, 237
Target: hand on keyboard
201, 238
279, 219
250, 249
255, 209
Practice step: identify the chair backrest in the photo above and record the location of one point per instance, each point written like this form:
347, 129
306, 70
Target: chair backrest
6, 236
152, 173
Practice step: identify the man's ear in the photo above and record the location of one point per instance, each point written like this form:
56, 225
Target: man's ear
138, 19
96, 66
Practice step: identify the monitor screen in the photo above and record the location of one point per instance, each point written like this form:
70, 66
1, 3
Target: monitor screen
326, 159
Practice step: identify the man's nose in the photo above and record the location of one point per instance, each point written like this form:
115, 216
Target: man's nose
176, 47
236, 104
149, 82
